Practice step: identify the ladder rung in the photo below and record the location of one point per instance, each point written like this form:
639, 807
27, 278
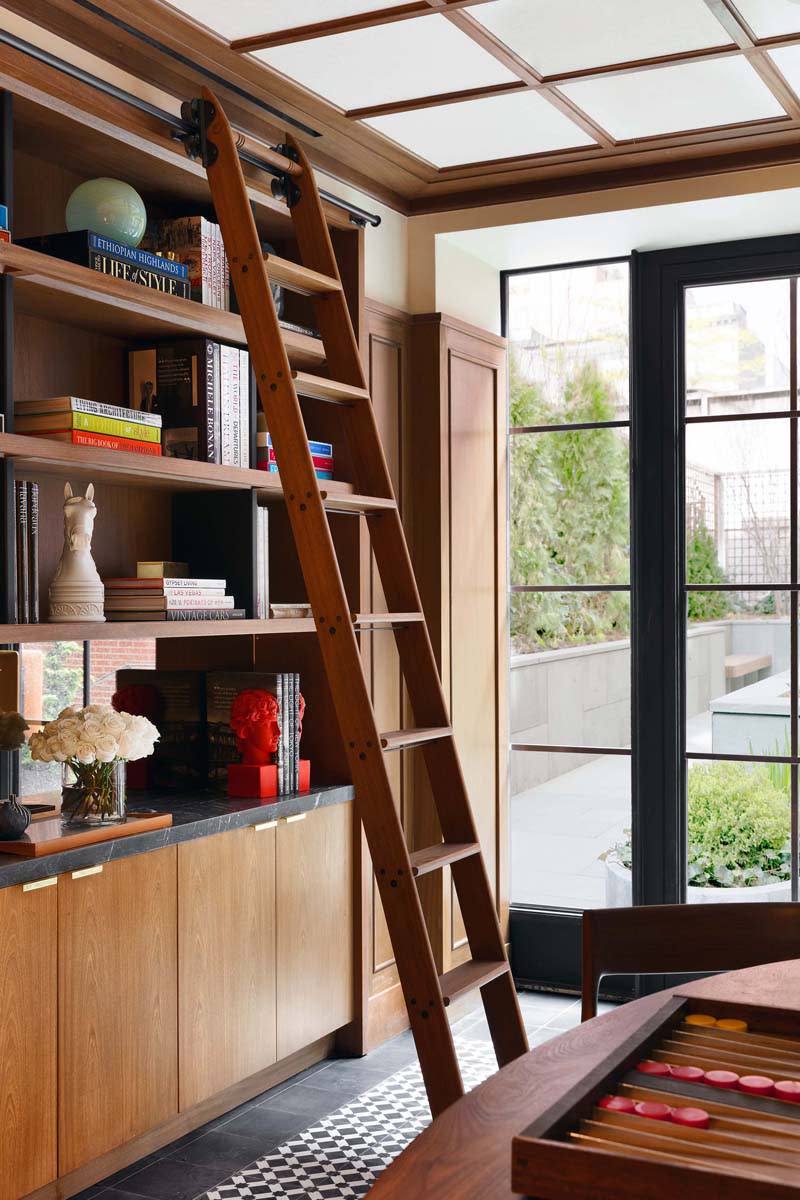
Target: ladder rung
317, 388
298, 278
398, 739
432, 858
468, 976
377, 619
344, 502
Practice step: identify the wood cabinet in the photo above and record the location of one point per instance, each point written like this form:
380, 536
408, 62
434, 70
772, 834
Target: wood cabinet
314, 901
118, 1002
226, 948
28, 1008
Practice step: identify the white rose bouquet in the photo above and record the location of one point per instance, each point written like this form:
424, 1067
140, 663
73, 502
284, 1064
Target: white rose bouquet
93, 742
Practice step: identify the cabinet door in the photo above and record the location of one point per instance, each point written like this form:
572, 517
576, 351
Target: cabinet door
28, 1007
226, 948
118, 1001
315, 926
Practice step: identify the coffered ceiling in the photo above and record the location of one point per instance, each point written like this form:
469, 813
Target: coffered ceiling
444, 103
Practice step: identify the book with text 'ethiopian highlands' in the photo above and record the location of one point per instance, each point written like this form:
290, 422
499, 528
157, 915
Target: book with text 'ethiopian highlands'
78, 247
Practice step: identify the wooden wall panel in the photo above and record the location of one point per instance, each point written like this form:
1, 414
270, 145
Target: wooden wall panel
28, 1003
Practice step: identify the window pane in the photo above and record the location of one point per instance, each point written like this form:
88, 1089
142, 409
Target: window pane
738, 502
109, 657
570, 824
739, 832
568, 341
737, 347
737, 673
570, 521
51, 678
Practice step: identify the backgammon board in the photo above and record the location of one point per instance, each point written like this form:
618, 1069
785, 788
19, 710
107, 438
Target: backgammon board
703, 1102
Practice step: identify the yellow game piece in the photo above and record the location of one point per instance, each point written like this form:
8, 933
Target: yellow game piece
700, 1019
733, 1024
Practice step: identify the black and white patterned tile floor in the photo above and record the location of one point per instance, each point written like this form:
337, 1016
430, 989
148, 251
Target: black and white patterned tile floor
327, 1133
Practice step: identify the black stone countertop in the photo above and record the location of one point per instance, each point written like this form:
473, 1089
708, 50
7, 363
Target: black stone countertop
195, 815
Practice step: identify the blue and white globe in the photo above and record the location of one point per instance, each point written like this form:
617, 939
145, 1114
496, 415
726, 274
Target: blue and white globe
108, 206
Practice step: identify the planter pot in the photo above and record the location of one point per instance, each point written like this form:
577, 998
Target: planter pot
619, 891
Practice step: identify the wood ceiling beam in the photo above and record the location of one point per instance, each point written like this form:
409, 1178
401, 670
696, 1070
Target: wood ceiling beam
396, 106
740, 32
366, 20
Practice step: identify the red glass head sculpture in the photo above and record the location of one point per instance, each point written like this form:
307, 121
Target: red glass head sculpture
254, 720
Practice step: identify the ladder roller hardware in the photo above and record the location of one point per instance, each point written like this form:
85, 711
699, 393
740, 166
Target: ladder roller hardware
427, 994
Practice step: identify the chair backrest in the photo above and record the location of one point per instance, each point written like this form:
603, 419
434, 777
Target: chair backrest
677, 938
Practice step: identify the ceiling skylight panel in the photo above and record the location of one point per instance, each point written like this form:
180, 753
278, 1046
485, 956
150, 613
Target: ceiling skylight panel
567, 35
770, 18
243, 18
480, 130
724, 91
400, 61
787, 60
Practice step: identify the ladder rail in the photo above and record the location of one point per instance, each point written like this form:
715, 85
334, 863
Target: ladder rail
426, 994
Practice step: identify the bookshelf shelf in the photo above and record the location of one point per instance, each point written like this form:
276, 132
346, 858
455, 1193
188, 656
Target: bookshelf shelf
74, 295
79, 631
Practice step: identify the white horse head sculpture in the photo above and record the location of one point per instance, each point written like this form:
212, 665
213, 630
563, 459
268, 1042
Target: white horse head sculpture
76, 560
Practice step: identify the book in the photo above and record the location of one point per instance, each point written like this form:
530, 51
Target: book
76, 404
33, 550
262, 563
175, 701
322, 449
54, 422
215, 531
5, 236
211, 594
118, 269
229, 444
3, 216
179, 381
161, 583
191, 240
324, 464
162, 569
222, 687
179, 614
273, 469
245, 402
114, 601
81, 437
77, 246
23, 566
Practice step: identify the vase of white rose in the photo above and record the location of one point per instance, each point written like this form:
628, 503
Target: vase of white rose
93, 744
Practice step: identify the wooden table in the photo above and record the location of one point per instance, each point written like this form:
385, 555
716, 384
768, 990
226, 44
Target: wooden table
466, 1153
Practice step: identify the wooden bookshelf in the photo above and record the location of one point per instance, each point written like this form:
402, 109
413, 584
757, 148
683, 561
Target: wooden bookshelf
86, 631
65, 292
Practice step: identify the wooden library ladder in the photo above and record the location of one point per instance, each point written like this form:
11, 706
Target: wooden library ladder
427, 994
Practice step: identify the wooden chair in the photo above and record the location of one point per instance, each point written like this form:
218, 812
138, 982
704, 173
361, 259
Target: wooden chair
683, 938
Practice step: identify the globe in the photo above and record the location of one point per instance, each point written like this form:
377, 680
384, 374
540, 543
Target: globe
108, 206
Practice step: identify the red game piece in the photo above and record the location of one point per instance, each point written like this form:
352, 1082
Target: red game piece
788, 1089
757, 1085
616, 1104
656, 1112
721, 1079
649, 1066
687, 1074
694, 1118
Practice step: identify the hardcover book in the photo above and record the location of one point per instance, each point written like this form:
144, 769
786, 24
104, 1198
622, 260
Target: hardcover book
132, 273
175, 702
222, 687
83, 437
76, 404
178, 614
79, 245
54, 422
179, 381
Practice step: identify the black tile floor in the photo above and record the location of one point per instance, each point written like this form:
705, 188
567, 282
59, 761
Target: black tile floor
203, 1159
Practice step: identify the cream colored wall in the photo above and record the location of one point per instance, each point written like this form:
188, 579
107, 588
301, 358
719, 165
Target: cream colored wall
466, 287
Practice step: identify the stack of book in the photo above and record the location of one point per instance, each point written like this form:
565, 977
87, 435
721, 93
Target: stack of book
5, 235
321, 455
196, 243
89, 423
169, 595
222, 688
26, 499
201, 391
100, 253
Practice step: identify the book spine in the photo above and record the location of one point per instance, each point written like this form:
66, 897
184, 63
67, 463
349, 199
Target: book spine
218, 402
279, 753
134, 593
118, 269
165, 584
208, 407
140, 258
171, 600
236, 407
94, 424
323, 449
259, 605
324, 464
215, 274
5, 236
80, 437
295, 743
226, 278
206, 259
33, 550
23, 548
244, 407
226, 406
265, 559
273, 470
204, 614
116, 411
3, 216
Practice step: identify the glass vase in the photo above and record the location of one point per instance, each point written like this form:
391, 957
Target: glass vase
93, 793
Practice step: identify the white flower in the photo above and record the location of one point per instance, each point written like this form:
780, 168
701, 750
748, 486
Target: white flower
106, 748
85, 752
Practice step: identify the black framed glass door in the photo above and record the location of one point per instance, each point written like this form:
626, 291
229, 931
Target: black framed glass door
711, 607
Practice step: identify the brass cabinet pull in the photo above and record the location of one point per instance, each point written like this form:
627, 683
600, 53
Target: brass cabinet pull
296, 817
84, 871
264, 825
35, 884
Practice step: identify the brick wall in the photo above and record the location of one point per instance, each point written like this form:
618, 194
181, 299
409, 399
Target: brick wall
109, 657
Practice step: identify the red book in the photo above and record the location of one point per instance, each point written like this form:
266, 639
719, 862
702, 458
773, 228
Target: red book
320, 462
5, 236
80, 437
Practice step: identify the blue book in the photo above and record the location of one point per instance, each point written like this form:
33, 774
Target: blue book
273, 468
320, 449
83, 245
3, 216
